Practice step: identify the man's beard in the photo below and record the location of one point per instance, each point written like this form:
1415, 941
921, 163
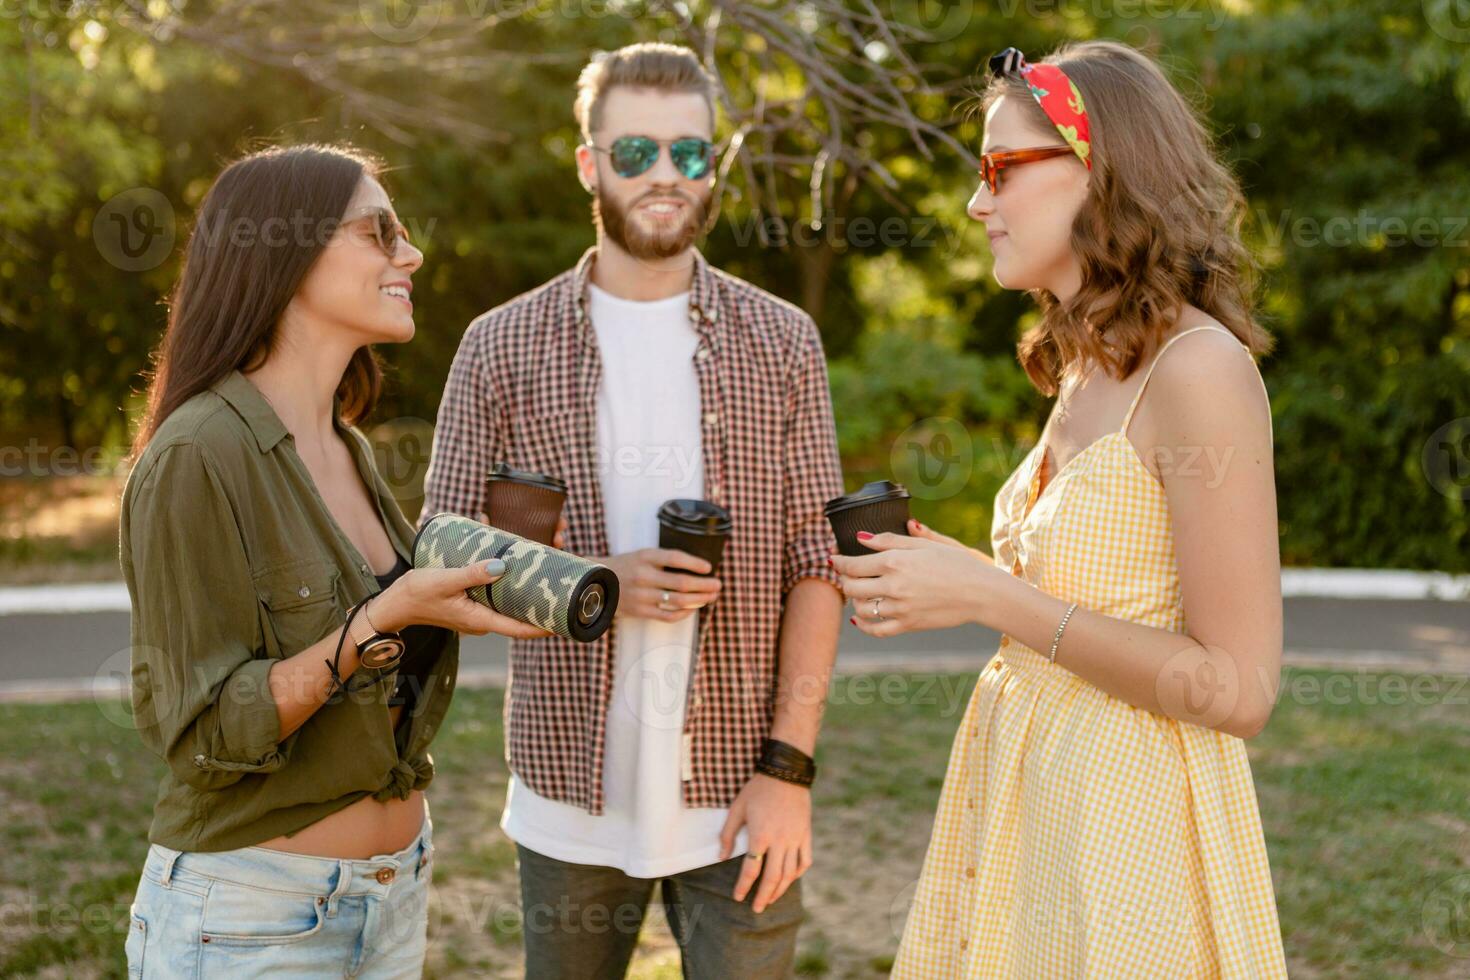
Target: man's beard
613, 221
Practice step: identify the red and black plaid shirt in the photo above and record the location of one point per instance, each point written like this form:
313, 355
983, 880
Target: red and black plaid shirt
523, 389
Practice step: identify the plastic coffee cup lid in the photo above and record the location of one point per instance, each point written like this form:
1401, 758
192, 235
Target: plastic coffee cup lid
695, 516
501, 471
872, 493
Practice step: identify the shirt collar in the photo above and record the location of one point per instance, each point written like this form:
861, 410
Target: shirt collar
250, 405
704, 292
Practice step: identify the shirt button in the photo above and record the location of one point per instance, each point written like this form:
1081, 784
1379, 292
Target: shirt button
199, 761
698, 701
364, 567
710, 418
303, 592
702, 354
969, 872
384, 875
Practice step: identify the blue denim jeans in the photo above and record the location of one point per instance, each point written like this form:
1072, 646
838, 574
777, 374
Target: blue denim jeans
255, 912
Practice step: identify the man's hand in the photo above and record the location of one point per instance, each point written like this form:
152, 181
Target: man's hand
642, 582
777, 816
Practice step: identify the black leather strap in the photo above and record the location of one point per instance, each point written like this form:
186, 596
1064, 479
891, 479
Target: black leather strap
783, 761
370, 676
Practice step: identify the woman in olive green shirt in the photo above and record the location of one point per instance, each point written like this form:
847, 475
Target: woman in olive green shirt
290, 833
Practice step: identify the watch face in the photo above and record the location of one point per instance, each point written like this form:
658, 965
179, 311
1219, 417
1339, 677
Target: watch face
381, 652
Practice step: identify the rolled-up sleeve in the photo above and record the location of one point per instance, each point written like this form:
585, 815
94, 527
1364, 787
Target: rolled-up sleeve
201, 695
813, 467
469, 432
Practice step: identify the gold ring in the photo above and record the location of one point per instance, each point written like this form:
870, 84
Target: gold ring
755, 857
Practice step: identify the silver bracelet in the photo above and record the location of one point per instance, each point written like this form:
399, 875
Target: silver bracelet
366, 616
1058, 638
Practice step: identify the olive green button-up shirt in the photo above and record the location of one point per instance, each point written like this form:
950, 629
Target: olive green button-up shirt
233, 561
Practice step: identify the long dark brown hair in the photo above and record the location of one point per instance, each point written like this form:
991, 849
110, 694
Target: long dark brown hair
1161, 225
259, 230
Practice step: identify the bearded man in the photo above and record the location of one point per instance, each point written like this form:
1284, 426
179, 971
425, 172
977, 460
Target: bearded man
676, 750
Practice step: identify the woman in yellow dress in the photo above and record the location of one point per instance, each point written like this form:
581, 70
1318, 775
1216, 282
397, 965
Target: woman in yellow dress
1098, 817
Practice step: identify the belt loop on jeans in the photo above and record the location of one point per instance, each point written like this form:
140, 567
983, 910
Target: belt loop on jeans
170, 857
344, 881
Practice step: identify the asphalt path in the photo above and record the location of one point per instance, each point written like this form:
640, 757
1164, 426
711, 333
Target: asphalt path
42, 651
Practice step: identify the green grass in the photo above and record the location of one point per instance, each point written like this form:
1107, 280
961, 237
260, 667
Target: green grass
1365, 802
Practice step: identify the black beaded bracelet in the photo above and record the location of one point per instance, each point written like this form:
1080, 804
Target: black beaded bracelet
783, 761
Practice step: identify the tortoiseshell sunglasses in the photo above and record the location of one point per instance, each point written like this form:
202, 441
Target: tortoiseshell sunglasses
991, 164
385, 228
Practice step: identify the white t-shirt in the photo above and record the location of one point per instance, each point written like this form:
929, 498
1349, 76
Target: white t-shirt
649, 451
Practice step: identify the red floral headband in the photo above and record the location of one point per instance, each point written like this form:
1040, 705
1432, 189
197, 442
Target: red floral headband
1057, 95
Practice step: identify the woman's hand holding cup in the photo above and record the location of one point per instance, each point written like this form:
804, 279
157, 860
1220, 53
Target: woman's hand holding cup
920, 531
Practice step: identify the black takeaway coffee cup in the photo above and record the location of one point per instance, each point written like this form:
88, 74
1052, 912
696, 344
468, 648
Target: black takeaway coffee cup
524, 503
696, 526
879, 506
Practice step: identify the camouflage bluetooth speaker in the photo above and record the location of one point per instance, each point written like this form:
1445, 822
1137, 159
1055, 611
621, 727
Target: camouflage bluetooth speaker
542, 586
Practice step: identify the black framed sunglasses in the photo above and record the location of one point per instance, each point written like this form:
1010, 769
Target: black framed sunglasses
1007, 62
386, 229
633, 155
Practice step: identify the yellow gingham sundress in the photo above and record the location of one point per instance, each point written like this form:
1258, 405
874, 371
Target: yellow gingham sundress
1077, 835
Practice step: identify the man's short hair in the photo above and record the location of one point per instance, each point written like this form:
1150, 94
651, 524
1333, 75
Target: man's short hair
667, 67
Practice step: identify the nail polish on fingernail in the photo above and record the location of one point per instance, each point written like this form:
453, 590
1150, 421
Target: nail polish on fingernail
863, 535
495, 566
852, 620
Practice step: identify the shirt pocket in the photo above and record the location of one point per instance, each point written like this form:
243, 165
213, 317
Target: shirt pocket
300, 602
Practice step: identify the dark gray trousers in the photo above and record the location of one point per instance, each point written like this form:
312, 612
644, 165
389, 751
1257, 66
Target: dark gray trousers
581, 922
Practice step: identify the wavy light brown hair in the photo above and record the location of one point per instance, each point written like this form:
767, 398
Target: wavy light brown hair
231, 293
1160, 226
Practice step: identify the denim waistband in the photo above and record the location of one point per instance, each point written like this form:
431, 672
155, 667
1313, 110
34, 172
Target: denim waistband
302, 874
